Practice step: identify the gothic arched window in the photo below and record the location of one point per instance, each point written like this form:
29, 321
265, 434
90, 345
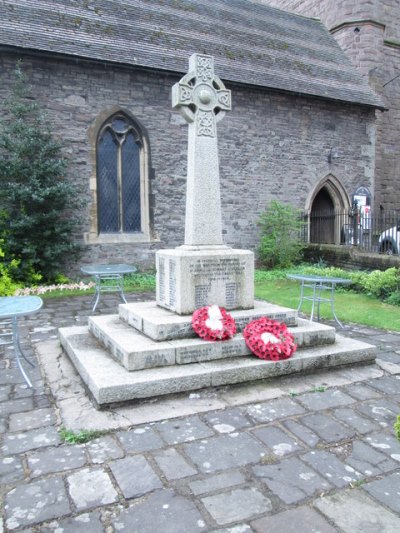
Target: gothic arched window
120, 168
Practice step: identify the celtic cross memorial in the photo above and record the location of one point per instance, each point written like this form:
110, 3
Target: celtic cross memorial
204, 270
201, 98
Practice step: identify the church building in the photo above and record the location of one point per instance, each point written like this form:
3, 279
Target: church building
302, 129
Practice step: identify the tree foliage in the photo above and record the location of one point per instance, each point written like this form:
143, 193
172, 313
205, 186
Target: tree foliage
281, 226
37, 202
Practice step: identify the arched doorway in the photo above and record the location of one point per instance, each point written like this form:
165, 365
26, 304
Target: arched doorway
326, 207
322, 218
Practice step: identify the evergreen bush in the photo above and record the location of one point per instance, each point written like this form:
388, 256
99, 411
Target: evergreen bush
37, 202
281, 226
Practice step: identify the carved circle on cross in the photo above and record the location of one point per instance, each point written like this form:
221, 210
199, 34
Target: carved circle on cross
204, 97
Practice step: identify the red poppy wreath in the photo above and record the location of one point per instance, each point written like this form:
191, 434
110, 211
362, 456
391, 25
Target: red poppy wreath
213, 323
269, 339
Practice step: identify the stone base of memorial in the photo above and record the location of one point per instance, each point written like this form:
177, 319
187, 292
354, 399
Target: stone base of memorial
192, 277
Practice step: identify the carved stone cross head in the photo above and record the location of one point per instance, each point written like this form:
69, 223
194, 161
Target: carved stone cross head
200, 96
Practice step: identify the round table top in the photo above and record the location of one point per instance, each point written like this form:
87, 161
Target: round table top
11, 306
317, 279
98, 270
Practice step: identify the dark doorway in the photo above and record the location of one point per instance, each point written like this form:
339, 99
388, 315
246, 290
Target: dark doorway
322, 218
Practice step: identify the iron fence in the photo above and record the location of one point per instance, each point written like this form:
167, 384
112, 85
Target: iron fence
371, 232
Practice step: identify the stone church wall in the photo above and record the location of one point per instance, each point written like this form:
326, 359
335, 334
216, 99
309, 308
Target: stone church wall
369, 33
271, 145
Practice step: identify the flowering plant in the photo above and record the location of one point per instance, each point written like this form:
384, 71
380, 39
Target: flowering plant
269, 339
213, 323
42, 289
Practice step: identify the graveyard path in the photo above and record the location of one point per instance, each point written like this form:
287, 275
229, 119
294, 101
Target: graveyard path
294, 454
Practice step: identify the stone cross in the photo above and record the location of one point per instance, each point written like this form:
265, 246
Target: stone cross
201, 98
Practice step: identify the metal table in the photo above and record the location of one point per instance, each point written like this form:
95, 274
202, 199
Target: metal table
319, 285
109, 278
12, 307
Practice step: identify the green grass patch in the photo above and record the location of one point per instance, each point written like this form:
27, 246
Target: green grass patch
396, 427
356, 308
79, 437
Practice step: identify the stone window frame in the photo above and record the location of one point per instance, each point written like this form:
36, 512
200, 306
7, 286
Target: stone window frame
145, 235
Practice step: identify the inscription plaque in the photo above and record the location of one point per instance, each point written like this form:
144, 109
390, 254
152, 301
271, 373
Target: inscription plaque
161, 279
201, 295
172, 282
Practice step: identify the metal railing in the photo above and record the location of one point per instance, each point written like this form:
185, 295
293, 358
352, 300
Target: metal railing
371, 232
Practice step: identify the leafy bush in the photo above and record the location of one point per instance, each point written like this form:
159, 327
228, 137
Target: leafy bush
280, 244
7, 284
382, 283
397, 427
36, 200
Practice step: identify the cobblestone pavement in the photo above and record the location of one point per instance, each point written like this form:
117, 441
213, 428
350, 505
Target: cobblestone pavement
313, 453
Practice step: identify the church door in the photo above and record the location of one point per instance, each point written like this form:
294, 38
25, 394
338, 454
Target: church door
322, 218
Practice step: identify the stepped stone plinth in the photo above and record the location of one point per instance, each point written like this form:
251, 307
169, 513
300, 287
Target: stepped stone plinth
109, 382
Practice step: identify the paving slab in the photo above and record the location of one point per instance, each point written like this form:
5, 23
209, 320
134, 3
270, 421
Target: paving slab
277, 441
31, 503
387, 491
33, 419
388, 385
11, 469
369, 460
163, 511
354, 420
331, 468
217, 482
270, 411
103, 449
83, 523
237, 505
240, 449
354, 512
140, 439
91, 488
59, 459
387, 444
173, 465
227, 420
306, 435
300, 520
30, 440
191, 428
135, 476
325, 399
382, 411
327, 428
292, 480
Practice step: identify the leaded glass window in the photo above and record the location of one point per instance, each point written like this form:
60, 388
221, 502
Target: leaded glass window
119, 166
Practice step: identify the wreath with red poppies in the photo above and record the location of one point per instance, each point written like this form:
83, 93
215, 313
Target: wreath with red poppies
269, 339
213, 323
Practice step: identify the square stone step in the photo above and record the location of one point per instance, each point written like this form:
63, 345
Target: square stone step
135, 351
109, 382
160, 324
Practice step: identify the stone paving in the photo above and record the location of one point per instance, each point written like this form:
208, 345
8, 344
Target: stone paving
311, 453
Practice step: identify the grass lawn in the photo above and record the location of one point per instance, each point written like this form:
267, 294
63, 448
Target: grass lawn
350, 307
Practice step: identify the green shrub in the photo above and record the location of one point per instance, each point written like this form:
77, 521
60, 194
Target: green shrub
37, 202
397, 427
382, 283
7, 284
280, 244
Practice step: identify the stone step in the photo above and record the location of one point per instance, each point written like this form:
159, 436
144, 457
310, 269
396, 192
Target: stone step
160, 324
109, 382
135, 351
